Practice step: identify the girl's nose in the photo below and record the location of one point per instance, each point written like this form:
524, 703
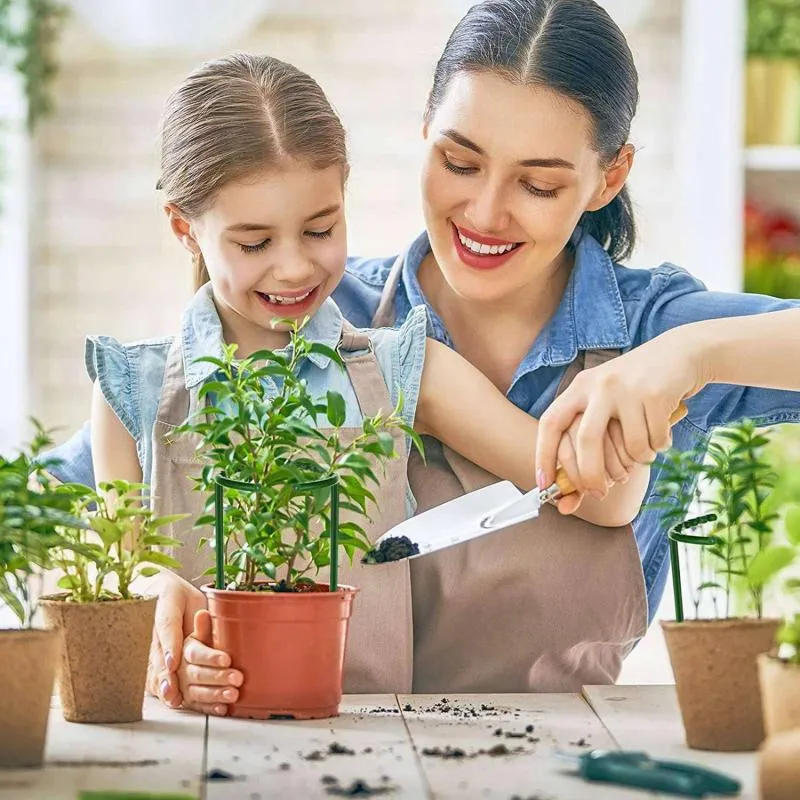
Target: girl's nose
294, 269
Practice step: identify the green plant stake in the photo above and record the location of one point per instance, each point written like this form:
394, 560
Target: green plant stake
221, 482
676, 536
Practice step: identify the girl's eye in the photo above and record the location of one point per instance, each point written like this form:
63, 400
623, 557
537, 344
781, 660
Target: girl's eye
254, 248
536, 192
455, 169
320, 234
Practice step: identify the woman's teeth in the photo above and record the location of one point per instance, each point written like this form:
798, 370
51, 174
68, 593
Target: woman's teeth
486, 249
285, 301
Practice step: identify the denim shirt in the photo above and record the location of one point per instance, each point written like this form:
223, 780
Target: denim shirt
605, 305
131, 375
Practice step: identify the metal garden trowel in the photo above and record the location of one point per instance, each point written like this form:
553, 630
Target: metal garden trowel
486, 510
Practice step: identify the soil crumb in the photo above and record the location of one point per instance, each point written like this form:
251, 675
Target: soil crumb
392, 549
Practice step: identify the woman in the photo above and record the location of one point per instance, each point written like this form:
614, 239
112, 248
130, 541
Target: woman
527, 217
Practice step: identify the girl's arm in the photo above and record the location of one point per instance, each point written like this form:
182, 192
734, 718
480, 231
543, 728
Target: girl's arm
462, 408
113, 448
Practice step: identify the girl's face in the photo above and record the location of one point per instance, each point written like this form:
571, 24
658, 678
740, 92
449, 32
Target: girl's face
275, 245
509, 171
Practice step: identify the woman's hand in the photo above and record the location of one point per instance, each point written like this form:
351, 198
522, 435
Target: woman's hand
178, 604
630, 400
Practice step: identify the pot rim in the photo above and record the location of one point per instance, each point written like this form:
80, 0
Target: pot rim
343, 589
61, 598
729, 622
35, 631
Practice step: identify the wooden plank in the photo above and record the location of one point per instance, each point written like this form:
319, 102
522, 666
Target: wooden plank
288, 758
471, 724
647, 718
162, 753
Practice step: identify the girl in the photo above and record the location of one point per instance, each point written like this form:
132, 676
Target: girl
253, 168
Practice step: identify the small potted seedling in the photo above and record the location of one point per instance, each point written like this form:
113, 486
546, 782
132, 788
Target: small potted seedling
779, 672
714, 659
33, 512
278, 465
106, 627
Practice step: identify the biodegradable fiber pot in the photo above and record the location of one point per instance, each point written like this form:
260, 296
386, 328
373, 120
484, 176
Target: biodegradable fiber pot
780, 694
103, 665
27, 672
288, 645
716, 679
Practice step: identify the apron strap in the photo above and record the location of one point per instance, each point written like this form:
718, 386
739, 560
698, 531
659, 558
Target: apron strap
586, 359
175, 401
385, 313
364, 371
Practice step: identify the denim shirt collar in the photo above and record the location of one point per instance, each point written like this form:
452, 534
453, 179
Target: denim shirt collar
201, 334
590, 315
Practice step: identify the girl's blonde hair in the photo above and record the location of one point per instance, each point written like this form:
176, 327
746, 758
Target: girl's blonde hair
237, 116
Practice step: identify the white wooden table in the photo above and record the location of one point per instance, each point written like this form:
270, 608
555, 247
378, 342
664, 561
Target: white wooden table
390, 743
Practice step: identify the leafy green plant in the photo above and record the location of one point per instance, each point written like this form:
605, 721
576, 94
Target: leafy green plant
789, 635
120, 540
728, 483
262, 426
773, 28
35, 515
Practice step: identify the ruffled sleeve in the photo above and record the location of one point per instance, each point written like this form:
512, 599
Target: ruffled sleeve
401, 353
108, 364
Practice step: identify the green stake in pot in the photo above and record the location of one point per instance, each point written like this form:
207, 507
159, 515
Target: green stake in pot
676, 536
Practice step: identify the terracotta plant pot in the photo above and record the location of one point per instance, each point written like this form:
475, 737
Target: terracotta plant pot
716, 678
103, 665
27, 672
289, 646
780, 694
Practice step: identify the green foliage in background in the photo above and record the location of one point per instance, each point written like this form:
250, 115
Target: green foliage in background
773, 28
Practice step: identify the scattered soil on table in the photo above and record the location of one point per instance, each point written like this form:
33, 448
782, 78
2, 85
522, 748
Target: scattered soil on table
284, 767
392, 549
334, 749
357, 788
526, 734
214, 775
582, 742
532, 797
458, 753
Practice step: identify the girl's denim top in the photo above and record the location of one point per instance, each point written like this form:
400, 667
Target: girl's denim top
131, 375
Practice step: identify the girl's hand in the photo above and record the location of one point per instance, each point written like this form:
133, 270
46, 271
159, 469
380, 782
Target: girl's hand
178, 603
630, 399
207, 684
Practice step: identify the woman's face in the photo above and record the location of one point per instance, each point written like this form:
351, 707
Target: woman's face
509, 171
275, 246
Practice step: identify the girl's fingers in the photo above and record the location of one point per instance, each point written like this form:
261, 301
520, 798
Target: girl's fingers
211, 709
210, 695
570, 503
617, 438
553, 424
199, 654
568, 461
615, 468
211, 676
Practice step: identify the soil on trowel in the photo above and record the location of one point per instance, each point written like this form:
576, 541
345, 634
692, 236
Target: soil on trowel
392, 549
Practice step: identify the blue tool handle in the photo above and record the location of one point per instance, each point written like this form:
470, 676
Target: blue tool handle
635, 775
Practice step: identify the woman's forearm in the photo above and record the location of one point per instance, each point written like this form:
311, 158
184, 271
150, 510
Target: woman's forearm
760, 350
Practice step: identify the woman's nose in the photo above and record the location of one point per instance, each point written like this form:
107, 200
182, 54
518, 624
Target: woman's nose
487, 211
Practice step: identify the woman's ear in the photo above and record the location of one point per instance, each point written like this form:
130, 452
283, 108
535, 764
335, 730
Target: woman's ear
614, 177
181, 228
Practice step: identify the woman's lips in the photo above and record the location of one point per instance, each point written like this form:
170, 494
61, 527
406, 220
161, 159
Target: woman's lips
291, 309
481, 260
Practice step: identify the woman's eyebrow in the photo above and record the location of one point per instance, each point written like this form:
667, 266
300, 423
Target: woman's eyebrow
555, 163
259, 226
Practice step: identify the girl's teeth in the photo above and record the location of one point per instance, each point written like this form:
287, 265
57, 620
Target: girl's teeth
485, 249
287, 301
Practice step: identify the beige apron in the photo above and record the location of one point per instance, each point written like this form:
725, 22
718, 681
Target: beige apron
379, 649
547, 605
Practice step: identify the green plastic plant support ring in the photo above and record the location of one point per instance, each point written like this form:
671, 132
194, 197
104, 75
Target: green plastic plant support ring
300, 488
685, 538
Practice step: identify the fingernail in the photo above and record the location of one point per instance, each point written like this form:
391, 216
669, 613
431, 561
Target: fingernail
169, 660
219, 710
164, 687
540, 481
235, 678
229, 694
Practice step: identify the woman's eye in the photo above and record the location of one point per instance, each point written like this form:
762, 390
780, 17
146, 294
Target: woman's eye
320, 234
537, 192
456, 169
253, 248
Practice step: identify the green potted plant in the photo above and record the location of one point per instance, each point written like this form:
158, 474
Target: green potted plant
33, 511
773, 72
714, 659
277, 468
779, 672
106, 627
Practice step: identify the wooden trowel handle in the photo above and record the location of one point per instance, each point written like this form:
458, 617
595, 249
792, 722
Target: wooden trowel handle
565, 484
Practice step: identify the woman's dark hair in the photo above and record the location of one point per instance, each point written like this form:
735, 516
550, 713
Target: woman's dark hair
572, 47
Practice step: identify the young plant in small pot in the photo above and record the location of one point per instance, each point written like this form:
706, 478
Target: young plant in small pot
779, 672
33, 511
714, 659
107, 628
281, 465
